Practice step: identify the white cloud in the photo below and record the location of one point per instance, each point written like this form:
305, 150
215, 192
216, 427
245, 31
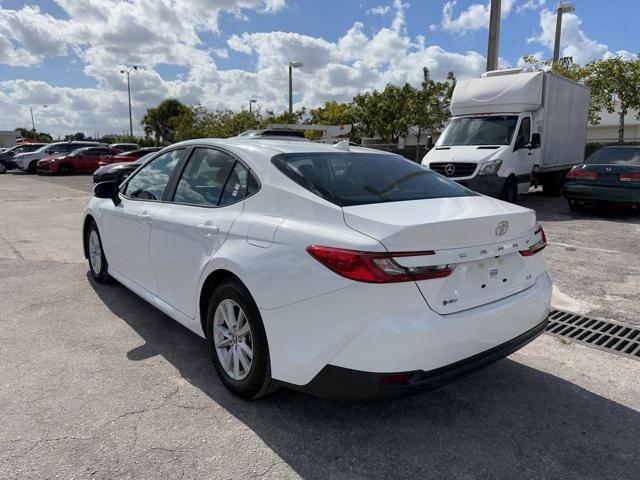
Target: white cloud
381, 10
531, 5
573, 43
474, 17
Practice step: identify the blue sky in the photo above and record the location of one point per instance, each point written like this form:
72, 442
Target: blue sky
67, 53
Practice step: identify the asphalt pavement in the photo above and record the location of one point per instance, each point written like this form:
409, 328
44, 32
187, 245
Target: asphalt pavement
96, 383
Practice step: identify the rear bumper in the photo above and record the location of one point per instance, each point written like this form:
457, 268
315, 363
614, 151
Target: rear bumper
595, 193
491, 185
352, 385
389, 329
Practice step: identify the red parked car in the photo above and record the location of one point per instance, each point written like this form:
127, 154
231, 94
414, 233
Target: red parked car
82, 160
131, 156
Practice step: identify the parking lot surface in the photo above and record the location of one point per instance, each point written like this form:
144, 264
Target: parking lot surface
96, 383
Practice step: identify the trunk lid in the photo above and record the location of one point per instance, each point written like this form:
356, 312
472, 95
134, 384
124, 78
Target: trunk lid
481, 236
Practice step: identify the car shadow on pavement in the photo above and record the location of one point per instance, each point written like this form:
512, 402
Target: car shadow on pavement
506, 421
557, 209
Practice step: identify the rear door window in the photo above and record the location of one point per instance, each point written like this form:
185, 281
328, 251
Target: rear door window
347, 179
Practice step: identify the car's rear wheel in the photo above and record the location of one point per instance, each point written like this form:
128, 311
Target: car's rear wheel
98, 264
65, 169
576, 206
238, 341
33, 167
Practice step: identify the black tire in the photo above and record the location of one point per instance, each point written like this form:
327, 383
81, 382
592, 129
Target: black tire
100, 275
576, 206
33, 167
510, 191
258, 382
3, 167
65, 169
552, 184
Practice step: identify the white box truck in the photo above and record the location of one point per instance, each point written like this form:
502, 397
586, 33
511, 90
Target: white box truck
511, 129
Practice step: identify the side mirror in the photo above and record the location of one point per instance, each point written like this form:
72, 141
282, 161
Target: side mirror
107, 190
429, 144
536, 140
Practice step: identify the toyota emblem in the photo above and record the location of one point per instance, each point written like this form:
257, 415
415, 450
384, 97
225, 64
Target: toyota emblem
449, 169
502, 228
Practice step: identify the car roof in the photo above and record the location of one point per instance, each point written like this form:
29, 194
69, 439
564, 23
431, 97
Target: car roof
275, 146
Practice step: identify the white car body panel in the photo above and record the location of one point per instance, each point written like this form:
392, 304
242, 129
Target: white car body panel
312, 316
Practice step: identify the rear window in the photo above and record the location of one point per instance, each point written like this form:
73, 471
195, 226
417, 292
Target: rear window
347, 179
615, 155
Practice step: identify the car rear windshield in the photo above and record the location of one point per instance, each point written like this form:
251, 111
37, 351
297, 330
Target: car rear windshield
347, 179
615, 155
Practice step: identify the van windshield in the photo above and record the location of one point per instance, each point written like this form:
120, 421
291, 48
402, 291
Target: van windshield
489, 130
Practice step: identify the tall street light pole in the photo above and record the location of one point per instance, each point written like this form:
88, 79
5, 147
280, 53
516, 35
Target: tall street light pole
494, 36
292, 65
251, 102
566, 7
128, 72
33, 123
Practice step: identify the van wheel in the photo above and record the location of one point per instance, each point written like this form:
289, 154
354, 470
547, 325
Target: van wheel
238, 341
510, 191
97, 261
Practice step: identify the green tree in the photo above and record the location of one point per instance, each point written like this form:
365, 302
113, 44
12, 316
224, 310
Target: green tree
333, 113
614, 83
162, 121
428, 107
383, 113
564, 66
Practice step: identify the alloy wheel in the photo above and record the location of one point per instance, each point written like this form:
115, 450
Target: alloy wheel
233, 339
95, 252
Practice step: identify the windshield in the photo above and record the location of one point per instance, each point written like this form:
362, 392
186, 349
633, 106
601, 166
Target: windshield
490, 130
347, 179
615, 155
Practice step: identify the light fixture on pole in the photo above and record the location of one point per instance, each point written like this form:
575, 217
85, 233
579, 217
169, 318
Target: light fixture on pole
128, 72
252, 101
292, 65
566, 7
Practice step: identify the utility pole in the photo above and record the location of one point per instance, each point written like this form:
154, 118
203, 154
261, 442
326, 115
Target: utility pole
128, 72
251, 102
292, 65
566, 7
494, 36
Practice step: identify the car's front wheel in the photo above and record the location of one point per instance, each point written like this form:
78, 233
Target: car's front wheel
97, 260
238, 341
3, 167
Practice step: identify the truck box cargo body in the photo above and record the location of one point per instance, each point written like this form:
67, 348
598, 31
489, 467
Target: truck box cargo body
511, 129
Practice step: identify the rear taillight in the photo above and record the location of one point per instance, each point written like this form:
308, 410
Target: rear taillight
579, 174
376, 267
533, 249
630, 177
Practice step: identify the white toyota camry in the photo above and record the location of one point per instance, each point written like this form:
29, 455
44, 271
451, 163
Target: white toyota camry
341, 271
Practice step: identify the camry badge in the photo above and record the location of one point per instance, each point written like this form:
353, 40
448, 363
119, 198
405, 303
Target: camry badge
502, 228
450, 169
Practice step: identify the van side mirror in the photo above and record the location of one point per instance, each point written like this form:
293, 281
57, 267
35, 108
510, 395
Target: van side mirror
107, 190
429, 144
536, 140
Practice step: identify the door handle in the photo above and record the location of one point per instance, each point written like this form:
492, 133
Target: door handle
208, 228
144, 217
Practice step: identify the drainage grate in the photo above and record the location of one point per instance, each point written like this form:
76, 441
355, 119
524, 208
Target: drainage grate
604, 335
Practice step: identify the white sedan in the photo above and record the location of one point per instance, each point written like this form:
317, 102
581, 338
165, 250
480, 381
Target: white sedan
341, 271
